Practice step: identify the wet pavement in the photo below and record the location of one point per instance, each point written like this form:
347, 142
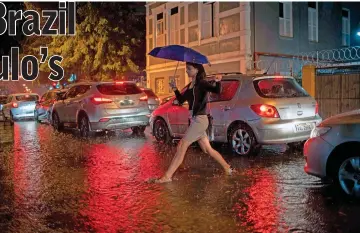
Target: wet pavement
57, 182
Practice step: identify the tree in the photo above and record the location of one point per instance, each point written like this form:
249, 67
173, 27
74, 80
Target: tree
104, 47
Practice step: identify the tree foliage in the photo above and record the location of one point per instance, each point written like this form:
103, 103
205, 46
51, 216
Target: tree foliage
108, 38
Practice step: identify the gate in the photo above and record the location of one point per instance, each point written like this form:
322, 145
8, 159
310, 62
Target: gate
337, 90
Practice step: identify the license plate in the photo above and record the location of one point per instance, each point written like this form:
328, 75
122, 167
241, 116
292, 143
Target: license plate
303, 127
126, 103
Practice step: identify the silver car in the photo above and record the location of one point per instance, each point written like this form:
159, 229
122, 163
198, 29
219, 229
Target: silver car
20, 106
333, 151
153, 99
102, 106
249, 111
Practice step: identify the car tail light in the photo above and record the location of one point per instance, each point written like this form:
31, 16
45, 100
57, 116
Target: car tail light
100, 100
317, 108
104, 120
119, 83
15, 105
265, 110
144, 98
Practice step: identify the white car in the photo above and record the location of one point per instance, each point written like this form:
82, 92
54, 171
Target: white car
20, 106
333, 151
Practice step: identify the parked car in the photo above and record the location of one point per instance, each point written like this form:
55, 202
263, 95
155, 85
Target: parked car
3, 99
153, 100
332, 152
44, 105
166, 99
102, 106
20, 106
249, 111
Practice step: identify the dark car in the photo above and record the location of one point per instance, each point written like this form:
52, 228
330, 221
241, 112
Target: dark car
44, 105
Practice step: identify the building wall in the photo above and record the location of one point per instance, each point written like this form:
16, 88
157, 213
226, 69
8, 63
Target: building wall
267, 41
227, 47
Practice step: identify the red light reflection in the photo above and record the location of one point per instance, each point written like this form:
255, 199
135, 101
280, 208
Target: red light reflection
262, 209
118, 199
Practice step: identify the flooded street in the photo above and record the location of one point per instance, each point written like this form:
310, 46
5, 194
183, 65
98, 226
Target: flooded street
57, 182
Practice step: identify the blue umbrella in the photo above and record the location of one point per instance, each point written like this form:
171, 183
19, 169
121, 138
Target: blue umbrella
179, 53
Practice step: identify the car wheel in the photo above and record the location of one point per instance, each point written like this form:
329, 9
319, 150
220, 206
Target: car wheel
138, 129
161, 131
12, 120
242, 140
84, 127
348, 175
56, 122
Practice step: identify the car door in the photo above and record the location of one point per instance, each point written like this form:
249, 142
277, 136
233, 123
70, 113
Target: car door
74, 104
221, 105
62, 107
178, 115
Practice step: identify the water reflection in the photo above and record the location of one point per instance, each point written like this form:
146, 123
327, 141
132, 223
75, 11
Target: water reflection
55, 182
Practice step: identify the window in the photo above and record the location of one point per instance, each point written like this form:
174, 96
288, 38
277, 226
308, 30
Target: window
193, 11
160, 37
285, 19
193, 33
345, 27
228, 90
313, 21
159, 86
229, 24
174, 26
27, 98
279, 88
119, 89
207, 24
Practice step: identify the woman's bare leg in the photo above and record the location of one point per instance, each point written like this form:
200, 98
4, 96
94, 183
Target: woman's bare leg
207, 148
175, 163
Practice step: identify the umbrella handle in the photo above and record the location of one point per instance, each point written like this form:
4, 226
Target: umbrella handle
175, 71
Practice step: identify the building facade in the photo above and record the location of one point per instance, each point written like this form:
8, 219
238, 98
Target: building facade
242, 36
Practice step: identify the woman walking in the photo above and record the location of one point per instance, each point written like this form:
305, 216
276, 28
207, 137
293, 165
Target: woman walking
196, 96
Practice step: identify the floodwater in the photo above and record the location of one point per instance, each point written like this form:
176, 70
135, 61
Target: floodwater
57, 182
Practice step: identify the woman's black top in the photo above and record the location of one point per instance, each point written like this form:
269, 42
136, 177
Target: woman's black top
197, 96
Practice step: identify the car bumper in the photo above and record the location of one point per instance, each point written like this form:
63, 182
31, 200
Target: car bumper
316, 153
120, 123
19, 113
274, 131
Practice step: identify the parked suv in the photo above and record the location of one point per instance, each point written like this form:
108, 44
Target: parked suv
153, 100
249, 111
102, 106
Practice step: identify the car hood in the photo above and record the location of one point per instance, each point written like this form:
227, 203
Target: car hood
352, 117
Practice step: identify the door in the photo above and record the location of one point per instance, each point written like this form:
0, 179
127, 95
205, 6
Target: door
221, 105
73, 105
63, 106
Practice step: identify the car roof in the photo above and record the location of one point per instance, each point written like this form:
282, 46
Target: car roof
235, 75
19, 94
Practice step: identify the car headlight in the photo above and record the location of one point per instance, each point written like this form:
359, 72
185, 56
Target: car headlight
319, 131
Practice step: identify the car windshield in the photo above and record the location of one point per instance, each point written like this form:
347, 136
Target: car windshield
119, 89
279, 88
27, 98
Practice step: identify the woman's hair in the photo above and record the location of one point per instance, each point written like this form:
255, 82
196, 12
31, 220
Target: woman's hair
201, 71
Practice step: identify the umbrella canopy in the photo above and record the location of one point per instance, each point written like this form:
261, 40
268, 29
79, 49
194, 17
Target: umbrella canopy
179, 53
